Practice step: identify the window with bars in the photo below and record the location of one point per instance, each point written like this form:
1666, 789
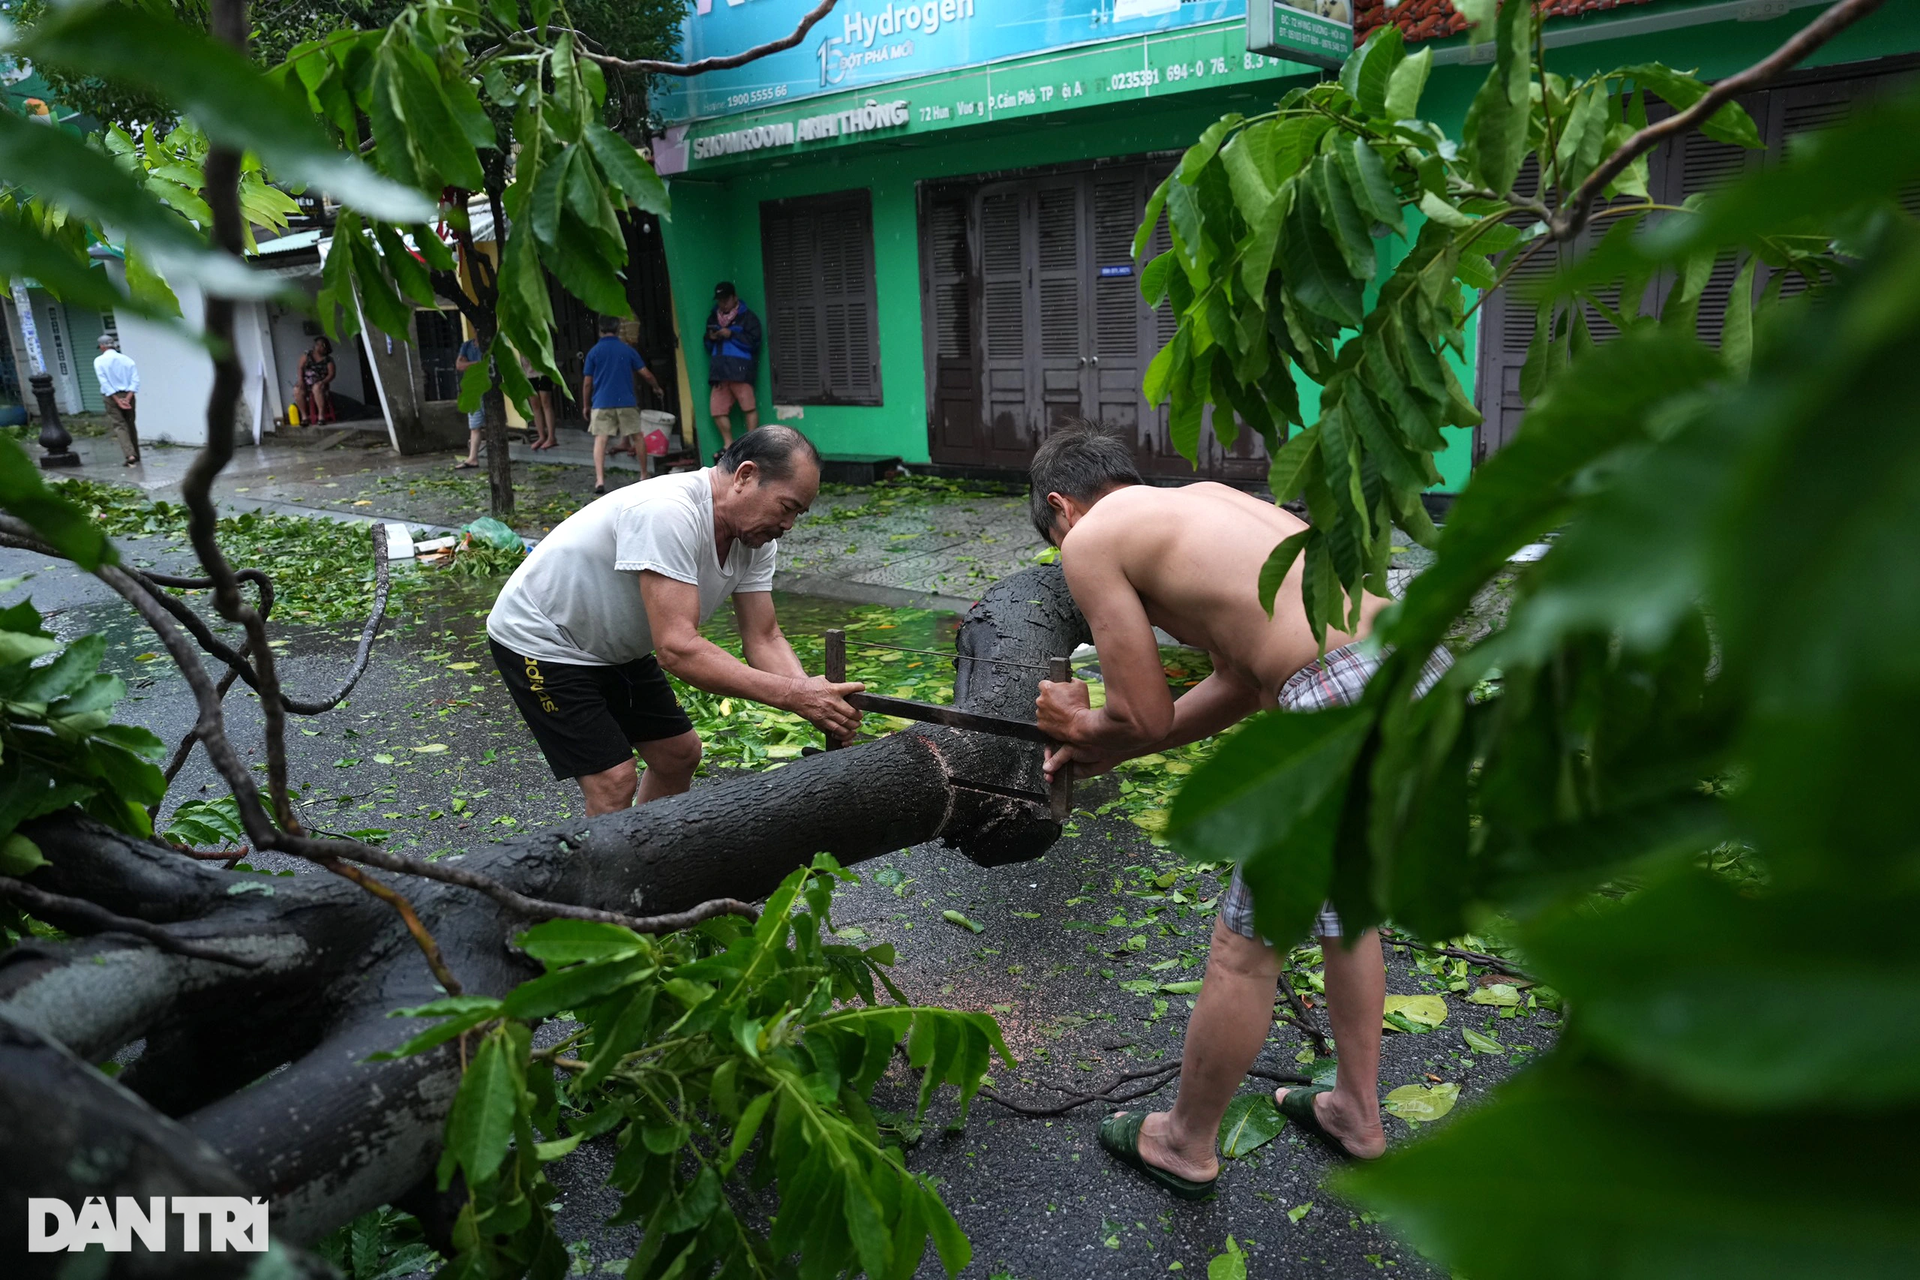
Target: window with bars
822, 328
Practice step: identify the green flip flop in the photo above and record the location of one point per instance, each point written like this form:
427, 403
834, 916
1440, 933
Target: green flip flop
1120, 1135
1297, 1106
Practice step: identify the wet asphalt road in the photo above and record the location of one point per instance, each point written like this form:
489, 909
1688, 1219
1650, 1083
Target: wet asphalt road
1038, 1198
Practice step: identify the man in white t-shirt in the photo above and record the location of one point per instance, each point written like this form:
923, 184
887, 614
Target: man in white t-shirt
618, 591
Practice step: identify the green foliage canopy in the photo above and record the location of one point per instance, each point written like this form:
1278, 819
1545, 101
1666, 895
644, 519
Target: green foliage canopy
1712, 663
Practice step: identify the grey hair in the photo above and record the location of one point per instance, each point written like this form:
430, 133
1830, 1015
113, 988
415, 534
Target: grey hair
772, 449
1081, 460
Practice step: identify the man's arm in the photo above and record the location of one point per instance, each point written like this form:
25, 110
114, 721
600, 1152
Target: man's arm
586, 392
1140, 707
1211, 706
640, 370
760, 635
673, 610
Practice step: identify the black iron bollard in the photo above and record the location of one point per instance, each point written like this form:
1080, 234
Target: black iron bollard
55, 439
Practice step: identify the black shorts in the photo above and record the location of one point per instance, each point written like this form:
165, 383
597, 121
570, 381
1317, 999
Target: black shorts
588, 719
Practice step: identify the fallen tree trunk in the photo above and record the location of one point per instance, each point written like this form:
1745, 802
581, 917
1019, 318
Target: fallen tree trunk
264, 1063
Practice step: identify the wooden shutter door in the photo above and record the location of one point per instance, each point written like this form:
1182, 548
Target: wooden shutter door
1156, 454
953, 381
1506, 328
787, 237
1005, 334
844, 236
1059, 270
1696, 165
1122, 325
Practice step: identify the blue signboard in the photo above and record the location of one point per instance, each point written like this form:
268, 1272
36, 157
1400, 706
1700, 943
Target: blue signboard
875, 42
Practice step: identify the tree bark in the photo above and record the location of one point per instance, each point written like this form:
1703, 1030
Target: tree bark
326, 1134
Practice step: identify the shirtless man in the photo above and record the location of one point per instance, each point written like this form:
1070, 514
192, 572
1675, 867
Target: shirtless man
1188, 560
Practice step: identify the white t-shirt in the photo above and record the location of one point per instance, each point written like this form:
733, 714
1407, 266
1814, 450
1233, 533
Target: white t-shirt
576, 599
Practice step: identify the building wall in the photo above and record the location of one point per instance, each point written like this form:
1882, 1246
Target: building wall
715, 230
176, 377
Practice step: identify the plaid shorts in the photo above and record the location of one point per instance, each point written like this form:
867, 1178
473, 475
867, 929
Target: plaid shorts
1333, 680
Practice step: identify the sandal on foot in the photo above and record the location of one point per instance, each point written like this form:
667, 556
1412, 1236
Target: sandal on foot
466, 466
599, 488
1297, 1105
1120, 1135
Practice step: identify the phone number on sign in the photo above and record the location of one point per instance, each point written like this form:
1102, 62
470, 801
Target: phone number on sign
767, 94
1144, 79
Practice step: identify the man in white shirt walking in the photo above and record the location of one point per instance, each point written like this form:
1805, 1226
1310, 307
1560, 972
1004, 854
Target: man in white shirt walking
583, 629
119, 379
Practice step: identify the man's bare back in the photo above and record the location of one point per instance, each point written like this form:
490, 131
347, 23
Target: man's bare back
1188, 561
1193, 556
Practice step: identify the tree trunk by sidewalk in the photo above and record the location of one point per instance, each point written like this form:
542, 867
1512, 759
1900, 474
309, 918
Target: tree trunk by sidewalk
259, 1075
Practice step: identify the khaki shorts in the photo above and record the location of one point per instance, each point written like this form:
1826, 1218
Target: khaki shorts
615, 422
727, 394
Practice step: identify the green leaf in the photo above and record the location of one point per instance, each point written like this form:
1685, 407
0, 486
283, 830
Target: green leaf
749, 1125
1251, 1122
1729, 124
1340, 214
24, 493
1481, 1043
1583, 1161
384, 308
438, 140
1736, 332
63, 170
1369, 69
1229, 1265
19, 856
1719, 1012
634, 177
1316, 266
481, 1122
954, 917
1279, 563
1426, 1011
1495, 133
222, 92
1405, 86
406, 270
573, 986
561, 942
1444, 213
1291, 465
1267, 798
1421, 1102
1372, 188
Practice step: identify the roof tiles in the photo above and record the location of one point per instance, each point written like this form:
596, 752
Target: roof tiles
1433, 19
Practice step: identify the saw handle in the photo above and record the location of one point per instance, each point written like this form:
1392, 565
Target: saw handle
836, 646
1060, 790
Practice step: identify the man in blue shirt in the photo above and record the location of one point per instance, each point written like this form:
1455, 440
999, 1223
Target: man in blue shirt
611, 392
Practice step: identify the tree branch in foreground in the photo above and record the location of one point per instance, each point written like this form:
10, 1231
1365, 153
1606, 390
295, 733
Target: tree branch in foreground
1572, 219
650, 66
57, 909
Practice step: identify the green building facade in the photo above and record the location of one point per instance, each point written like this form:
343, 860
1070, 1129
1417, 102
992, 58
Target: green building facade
942, 261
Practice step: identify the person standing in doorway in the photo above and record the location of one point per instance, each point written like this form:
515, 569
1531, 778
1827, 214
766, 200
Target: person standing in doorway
468, 356
315, 376
733, 350
610, 388
119, 380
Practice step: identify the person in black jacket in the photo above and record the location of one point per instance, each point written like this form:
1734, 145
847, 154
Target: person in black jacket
733, 349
